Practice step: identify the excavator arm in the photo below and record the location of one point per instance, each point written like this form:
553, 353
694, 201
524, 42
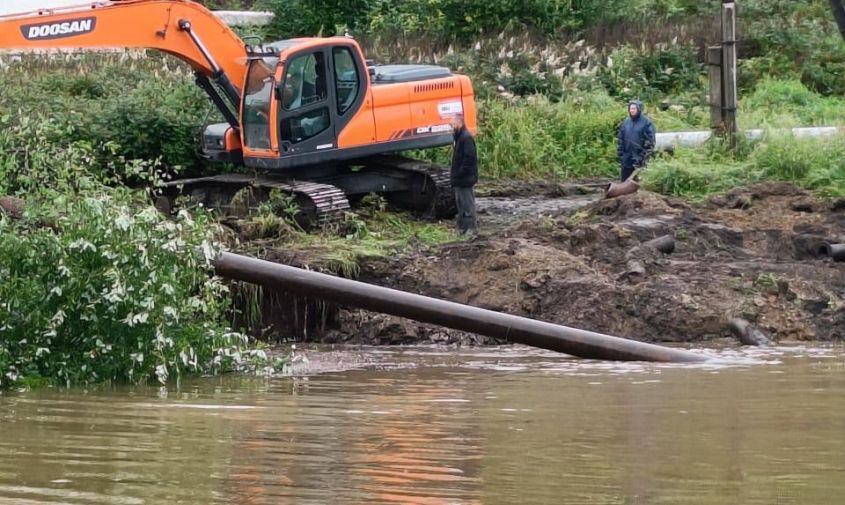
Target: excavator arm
181, 28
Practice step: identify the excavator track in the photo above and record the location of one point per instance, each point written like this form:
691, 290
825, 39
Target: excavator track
419, 186
317, 203
430, 192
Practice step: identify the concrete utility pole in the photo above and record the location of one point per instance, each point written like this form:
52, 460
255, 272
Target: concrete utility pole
721, 61
729, 69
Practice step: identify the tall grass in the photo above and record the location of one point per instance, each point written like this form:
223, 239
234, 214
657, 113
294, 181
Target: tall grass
787, 103
816, 164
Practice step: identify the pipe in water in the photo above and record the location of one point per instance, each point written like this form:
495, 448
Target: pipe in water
581, 343
748, 334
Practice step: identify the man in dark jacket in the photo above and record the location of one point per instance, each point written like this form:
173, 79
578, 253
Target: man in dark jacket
464, 176
636, 139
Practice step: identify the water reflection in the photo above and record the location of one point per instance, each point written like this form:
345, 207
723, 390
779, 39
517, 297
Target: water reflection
435, 427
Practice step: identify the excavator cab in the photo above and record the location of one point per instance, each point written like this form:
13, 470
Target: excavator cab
316, 100
298, 96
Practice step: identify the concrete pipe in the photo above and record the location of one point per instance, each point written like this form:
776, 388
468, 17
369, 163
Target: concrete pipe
835, 251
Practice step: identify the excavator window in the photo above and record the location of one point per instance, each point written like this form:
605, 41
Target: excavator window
305, 81
305, 88
346, 78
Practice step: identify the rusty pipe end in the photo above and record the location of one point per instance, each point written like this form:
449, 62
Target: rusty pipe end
664, 244
748, 334
617, 189
835, 251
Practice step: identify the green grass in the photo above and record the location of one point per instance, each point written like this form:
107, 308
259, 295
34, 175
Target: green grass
775, 103
815, 164
536, 138
373, 231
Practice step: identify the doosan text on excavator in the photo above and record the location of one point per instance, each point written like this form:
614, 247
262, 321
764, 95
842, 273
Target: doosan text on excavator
311, 115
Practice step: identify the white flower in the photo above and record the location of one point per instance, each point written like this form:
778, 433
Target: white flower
134, 319
123, 222
58, 318
161, 373
82, 245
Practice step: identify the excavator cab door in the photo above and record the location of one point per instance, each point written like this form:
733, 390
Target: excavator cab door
305, 95
297, 104
258, 111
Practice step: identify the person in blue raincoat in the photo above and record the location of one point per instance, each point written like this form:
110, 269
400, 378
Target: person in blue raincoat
636, 139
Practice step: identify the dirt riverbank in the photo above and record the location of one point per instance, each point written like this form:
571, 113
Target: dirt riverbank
570, 258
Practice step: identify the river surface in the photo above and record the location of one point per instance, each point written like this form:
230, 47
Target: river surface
432, 426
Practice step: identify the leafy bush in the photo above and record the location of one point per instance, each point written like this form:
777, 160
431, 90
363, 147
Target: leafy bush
795, 39
662, 71
97, 289
296, 18
462, 20
781, 93
33, 161
143, 108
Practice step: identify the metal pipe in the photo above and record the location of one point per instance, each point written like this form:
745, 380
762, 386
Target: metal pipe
617, 189
694, 139
505, 327
664, 244
748, 334
835, 251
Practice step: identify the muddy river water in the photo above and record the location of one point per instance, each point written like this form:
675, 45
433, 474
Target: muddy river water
433, 426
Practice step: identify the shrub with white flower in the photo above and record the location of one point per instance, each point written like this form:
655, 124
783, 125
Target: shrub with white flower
95, 287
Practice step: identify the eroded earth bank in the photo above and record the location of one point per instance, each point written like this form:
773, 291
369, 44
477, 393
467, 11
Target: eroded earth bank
563, 254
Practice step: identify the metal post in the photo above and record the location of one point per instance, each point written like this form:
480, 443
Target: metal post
729, 75
505, 327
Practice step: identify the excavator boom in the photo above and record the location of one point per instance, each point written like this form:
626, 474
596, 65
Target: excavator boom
182, 28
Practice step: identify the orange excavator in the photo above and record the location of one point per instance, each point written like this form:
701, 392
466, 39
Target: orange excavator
311, 115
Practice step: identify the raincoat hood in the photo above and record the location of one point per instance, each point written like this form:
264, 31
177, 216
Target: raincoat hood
639, 105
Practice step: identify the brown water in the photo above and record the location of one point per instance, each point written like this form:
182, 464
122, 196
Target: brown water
426, 426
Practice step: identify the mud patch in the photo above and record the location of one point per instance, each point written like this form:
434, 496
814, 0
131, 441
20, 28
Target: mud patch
759, 262
752, 253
